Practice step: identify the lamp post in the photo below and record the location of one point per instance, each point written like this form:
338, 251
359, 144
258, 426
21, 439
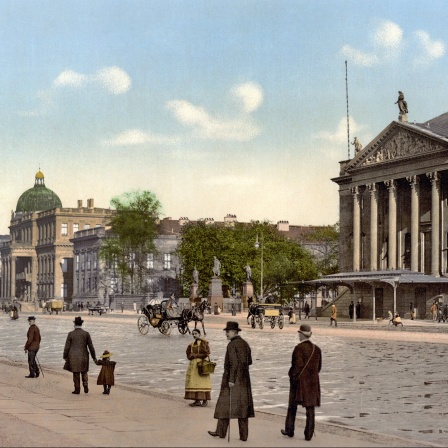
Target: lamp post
257, 245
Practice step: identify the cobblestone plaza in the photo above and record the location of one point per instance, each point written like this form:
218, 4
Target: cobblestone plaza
382, 380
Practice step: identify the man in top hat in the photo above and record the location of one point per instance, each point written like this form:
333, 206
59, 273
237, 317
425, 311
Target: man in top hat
235, 397
32, 346
304, 382
76, 355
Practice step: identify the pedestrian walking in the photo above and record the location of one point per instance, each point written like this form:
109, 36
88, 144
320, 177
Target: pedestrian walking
235, 386
334, 315
358, 310
292, 316
307, 310
351, 309
197, 387
304, 382
445, 312
106, 377
122, 307
32, 346
434, 311
412, 310
76, 355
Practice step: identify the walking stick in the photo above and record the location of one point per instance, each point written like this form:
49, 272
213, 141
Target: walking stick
40, 367
230, 412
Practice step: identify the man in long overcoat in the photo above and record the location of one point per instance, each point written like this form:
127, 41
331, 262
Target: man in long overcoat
32, 347
304, 382
235, 397
76, 355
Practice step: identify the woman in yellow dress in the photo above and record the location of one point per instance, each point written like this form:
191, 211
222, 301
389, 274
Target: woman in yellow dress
197, 387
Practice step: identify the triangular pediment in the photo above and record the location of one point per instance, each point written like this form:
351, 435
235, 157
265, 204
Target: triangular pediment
398, 141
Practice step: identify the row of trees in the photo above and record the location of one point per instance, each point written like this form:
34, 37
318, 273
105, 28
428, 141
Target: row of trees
285, 263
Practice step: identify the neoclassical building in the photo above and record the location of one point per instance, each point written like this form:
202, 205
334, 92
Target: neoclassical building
37, 261
393, 198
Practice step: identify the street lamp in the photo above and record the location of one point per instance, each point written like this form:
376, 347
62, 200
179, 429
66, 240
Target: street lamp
257, 245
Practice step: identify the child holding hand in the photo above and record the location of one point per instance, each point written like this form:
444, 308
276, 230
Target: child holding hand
106, 378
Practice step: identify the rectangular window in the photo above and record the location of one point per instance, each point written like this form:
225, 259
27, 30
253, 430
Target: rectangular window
75, 227
86, 226
82, 262
97, 225
64, 229
64, 290
150, 261
94, 260
166, 261
89, 258
77, 262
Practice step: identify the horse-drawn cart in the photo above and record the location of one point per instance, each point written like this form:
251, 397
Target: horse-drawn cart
266, 312
52, 306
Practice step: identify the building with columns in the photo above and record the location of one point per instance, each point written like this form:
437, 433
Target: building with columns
393, 198
37, 260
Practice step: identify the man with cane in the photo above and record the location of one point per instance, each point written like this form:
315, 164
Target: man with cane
235, 397
32, 347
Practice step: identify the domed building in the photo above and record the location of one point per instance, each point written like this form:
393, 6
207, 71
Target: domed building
38, 198
37, 261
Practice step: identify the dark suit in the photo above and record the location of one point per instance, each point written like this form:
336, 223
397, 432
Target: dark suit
76, 356
32, 346
304, 385
235, 402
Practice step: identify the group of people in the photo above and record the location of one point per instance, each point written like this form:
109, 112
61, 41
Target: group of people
439, 312
351, 310
78, 347
235, 397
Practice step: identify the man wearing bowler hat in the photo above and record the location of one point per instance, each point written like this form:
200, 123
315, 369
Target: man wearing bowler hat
235, 397
76, 355
32, 346
304, 382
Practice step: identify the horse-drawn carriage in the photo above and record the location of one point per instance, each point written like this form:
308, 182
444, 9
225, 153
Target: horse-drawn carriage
266, 312
164, 314
52, 306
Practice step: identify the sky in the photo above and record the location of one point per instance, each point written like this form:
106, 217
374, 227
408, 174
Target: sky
217, 107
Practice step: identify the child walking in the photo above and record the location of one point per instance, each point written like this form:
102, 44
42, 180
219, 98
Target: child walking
106, 378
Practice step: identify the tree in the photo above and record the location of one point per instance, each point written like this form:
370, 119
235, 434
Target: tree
326, 241
283, 260
133, 229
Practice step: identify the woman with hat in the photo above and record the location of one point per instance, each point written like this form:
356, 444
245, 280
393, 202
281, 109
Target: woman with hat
106, 378
304, 382
76, 355
235, 397
197, 387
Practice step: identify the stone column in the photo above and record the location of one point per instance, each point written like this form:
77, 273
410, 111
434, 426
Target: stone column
373, 227
356, 228
435, 223
415, 221
392, 238
13, 277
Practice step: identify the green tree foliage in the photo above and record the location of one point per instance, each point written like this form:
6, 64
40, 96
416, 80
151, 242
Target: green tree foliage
134, 227
284, 261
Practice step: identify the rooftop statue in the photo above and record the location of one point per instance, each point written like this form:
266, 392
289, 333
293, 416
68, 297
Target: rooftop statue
402, 104
357, 144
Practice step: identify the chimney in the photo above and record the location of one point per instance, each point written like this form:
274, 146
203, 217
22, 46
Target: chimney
79, 203
283, 226
90, 203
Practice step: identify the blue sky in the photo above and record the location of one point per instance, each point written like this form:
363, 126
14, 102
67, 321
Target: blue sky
215, 106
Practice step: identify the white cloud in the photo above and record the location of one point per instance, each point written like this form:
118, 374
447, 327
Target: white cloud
231, 180
340, 134
359, 57
138, 137
206, 126
70, 78
114, 79
250, 94
388, 35
432, 49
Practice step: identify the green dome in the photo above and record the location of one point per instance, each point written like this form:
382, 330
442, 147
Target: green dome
38, 198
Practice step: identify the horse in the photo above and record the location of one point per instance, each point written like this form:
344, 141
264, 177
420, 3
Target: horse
195, 314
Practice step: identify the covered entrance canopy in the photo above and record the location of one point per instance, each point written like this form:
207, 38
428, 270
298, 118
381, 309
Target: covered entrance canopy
394, 278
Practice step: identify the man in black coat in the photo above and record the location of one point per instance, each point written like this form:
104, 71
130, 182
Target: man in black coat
76, 355
235, 397
304, 382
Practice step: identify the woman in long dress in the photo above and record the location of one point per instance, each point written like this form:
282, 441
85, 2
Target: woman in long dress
197, 387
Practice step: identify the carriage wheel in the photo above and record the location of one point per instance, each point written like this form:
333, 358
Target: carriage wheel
165, 328
252, 321
281, 321
260, 321
182, 327
273, 323
143, 325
